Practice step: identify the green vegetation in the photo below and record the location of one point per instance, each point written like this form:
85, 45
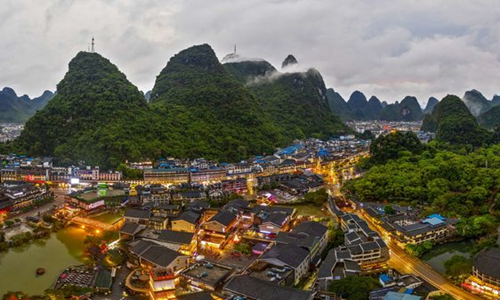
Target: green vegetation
491, 118
354, 288
318, 197
295, 102
408, 110
443, 297
394, 145
457, 266
418, 250
19, 109
97, 116
243, 248
113, 259
456, 184
453, 123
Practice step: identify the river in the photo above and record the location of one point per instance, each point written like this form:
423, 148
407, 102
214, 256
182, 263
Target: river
441, 253
59, 251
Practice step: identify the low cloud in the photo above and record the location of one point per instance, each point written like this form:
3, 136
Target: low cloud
385, 48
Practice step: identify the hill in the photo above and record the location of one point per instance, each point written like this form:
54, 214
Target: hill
407, 110
453, 123
491, 118
337, 105
431, 103
296, 102
476, 102
17, 109
206, 112
97, 116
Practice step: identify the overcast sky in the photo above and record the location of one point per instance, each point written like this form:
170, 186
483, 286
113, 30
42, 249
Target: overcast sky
386, 48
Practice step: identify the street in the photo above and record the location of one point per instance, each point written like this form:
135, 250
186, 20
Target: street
407, 264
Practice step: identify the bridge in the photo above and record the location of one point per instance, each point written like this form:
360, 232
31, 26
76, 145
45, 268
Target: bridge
93, 223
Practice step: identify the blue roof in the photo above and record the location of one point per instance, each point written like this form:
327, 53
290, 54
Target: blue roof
437, 216
385, 278
433, 221
400, 296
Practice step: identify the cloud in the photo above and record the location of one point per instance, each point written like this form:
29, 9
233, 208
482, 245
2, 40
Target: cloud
384, 48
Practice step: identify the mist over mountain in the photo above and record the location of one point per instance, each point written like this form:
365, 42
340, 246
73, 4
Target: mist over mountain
296, 101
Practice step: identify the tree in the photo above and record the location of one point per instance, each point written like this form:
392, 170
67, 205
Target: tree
457, 265
391, 146
243, 248
354, 288
389, 210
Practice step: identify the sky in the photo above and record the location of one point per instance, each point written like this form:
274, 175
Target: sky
385, 48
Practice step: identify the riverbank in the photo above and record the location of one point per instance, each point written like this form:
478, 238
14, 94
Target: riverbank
60, 250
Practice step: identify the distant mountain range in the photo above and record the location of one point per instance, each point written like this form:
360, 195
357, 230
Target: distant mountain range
18, 109
358, 108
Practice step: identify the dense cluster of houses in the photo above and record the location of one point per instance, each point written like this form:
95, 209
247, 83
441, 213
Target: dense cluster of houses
302, 154
169, 240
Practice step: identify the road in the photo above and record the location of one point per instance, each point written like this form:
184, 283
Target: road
407, 264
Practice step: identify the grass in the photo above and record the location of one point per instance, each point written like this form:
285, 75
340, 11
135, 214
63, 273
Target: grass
109, 218
309, 209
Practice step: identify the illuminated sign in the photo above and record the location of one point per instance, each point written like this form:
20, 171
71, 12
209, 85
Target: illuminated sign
75, 181
96, 204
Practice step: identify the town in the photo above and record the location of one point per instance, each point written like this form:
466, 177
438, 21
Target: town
272, 227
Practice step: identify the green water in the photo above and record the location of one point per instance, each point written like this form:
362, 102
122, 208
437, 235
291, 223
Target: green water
441, 253
61, 250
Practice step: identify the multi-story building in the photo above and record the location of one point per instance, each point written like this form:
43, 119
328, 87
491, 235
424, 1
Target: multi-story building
364, 245
485, 279
409, 229
21, 194
172, 176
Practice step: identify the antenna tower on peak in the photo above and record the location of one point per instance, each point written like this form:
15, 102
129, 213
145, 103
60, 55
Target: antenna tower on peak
92, 48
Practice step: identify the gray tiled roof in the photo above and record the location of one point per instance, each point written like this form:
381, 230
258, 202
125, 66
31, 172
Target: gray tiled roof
131, 228
176, 237
488, 262
290, 255
254, 288
311, 228
137, 213
189, 216
154, 253
224, 217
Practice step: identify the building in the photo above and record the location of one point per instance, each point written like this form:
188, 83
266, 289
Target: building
364, 245
137, 216
173, 175
294, 257
316, 230
150, 255
187, 221
272, 219
182, 242
221, 223
130, 230
485, 279
206, 275
249, 287
409, 229
338, 264
18, 195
